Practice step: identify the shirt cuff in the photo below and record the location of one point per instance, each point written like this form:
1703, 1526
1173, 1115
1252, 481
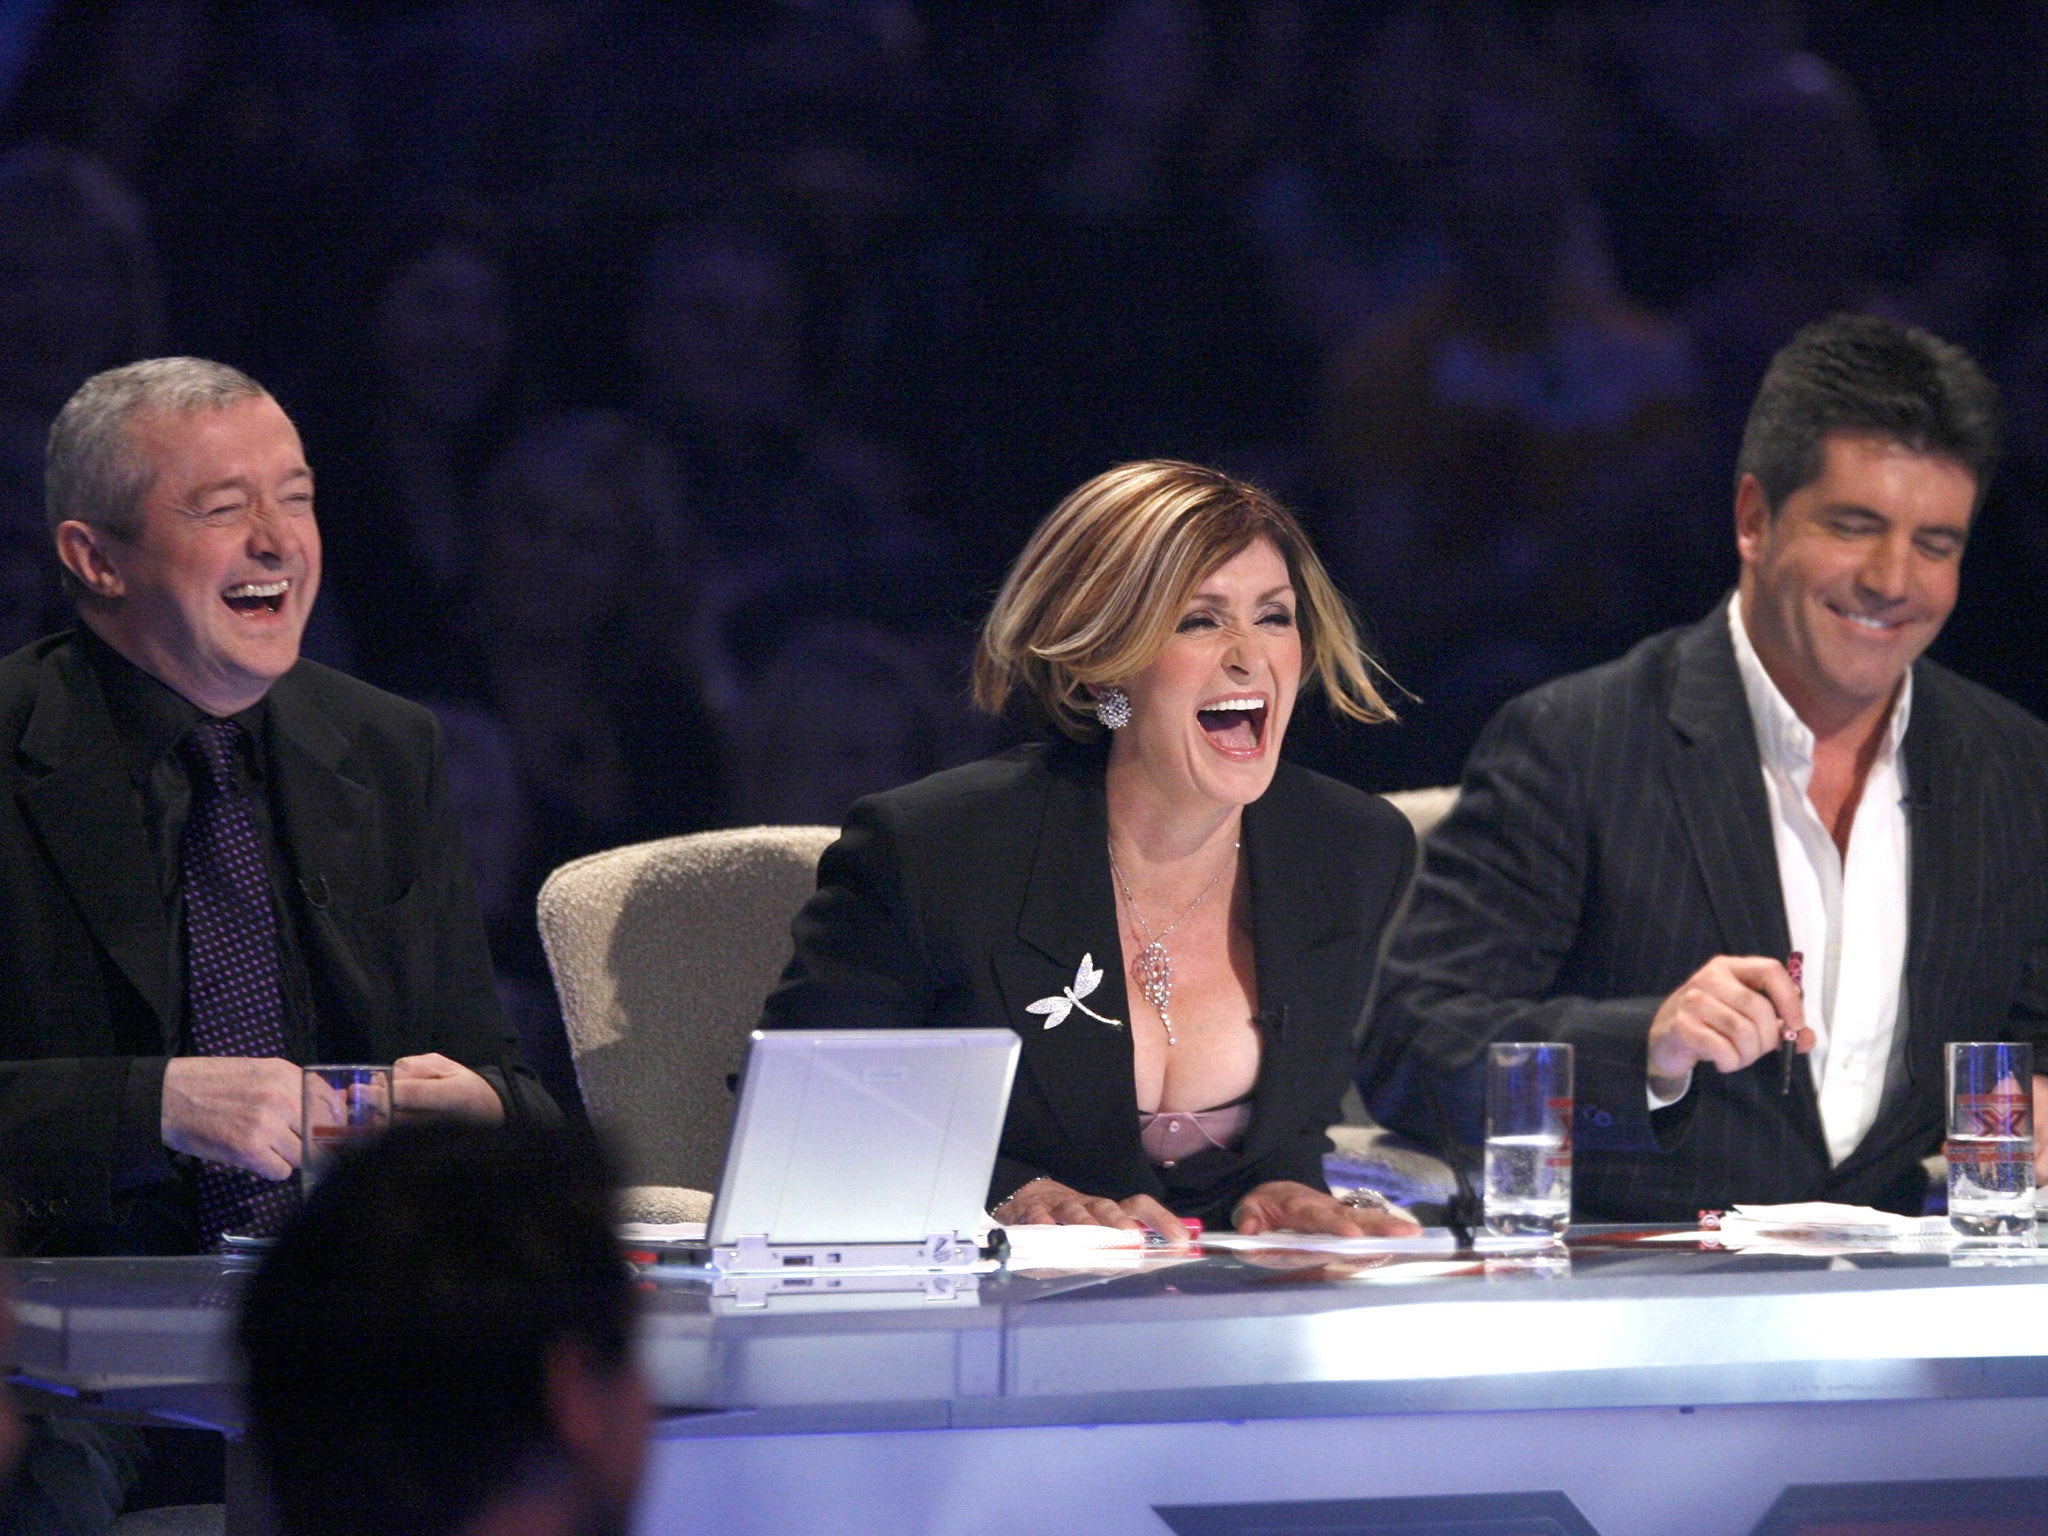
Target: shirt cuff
1659, 1101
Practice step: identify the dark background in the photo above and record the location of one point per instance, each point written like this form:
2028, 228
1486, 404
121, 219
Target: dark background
679, 380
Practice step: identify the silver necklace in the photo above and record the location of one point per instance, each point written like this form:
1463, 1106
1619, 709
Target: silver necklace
1155, 965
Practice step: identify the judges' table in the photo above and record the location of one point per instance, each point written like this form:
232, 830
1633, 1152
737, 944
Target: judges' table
1630, 1388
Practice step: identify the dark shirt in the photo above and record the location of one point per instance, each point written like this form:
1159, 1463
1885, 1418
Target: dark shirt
152, 722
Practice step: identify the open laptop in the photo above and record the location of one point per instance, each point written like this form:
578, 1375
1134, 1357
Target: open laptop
861, 1150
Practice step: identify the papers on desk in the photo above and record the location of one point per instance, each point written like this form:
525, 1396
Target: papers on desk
1429, 1240
1815, 1227
1040, 1243
1083, 1247
1819, 1228
1038, 1247
1823, 1221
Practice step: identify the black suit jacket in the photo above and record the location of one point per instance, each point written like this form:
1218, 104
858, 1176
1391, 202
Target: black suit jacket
961, 899
379, 886
1612, 836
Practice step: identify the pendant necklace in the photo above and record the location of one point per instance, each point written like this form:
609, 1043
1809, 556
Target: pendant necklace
1155, 965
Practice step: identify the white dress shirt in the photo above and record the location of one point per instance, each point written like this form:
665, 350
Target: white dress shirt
1847, 916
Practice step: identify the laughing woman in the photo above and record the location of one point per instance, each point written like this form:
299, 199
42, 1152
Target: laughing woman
1180, 925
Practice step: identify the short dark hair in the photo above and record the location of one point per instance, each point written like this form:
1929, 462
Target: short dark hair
397, 1336
1863, 375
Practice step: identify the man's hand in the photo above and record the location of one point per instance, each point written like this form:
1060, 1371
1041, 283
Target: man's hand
1283, 1205
237, 1110
1730, 1011
429, 1085
1047, 1202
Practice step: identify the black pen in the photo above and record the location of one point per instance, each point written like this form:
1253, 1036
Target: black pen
1788, 1043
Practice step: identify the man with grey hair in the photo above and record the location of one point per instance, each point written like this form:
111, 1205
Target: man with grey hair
216, 860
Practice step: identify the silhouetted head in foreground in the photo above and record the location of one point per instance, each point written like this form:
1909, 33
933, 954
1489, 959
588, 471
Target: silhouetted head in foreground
441, 1343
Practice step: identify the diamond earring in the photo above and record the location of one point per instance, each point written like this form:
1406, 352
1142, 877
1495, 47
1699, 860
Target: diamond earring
1113, 708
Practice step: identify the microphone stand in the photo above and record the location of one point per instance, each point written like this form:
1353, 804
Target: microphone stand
1465, 1212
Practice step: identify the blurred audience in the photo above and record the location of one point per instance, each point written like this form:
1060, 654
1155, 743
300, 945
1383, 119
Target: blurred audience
1495, 426
578, 637
843, 710
1123, 304
235, 125
403, 453
664, 354
780, 496
1664, 81
78, 294
497, 827
1803, 209
1348, 216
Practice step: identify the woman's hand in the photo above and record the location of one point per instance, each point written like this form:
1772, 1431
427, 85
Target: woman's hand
1047, 1202
1282, 1205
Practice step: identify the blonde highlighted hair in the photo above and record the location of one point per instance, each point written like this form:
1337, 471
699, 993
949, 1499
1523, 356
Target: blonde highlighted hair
1098, 589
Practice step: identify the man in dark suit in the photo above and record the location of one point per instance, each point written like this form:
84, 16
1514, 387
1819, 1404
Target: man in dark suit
216, 860
1639, 849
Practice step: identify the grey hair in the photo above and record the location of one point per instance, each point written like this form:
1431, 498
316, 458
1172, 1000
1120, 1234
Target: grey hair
91, 471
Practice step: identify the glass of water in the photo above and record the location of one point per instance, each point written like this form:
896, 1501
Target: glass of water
341, 1105
1528, 1139
1990, 1139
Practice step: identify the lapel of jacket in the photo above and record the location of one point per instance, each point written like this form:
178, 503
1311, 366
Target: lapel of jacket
1949, 884
1717, 782
89, 815
1068, 912
1297, 928
325, 818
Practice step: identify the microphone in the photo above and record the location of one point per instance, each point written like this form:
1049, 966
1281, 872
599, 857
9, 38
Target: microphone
1465, 1212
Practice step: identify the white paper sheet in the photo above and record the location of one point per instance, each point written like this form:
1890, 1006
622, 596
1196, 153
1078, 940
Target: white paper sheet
1431, 1240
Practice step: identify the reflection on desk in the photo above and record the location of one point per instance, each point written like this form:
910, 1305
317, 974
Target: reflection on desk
1607, 1320
1909, 1365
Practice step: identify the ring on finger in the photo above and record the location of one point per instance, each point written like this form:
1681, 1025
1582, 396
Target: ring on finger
1366, 1200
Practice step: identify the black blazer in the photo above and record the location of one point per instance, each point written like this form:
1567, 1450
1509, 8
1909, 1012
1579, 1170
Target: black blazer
379, 883
1612, 836
962, 899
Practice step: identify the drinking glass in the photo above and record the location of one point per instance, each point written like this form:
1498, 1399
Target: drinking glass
1528, 1139
1990, 1139
342, 1104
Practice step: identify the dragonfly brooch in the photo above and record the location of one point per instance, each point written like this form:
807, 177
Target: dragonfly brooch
1056, 1009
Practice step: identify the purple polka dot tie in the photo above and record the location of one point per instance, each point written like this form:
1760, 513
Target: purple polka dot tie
233, 993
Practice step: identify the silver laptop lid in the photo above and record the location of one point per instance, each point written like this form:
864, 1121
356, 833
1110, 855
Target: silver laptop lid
864, 1135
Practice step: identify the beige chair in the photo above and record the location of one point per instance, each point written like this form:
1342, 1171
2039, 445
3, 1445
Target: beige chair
1367, 1154
662, 953
1424, 808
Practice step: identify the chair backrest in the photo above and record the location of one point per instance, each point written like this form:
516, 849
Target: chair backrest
1424, 808
662, 953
